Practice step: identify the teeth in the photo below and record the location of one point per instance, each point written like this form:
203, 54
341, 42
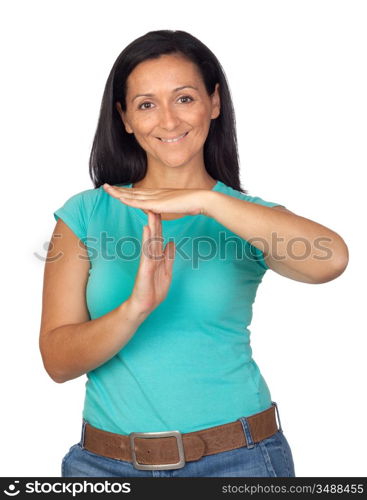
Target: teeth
173, 140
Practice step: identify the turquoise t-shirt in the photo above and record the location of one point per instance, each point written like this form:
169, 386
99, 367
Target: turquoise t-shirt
189, 365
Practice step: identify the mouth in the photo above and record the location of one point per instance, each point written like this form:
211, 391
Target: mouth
174, 140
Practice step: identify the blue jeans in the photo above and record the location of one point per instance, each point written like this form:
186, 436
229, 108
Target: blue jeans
271, 457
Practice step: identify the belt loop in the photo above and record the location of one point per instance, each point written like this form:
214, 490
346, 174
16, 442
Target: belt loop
83, 433
247, 432
273, 403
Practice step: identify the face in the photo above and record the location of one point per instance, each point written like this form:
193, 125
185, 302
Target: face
166, 99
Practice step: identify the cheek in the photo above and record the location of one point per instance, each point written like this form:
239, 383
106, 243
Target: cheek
142, 125
201, 119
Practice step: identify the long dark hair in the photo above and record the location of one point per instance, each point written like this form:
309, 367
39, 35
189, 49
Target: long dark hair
117, 158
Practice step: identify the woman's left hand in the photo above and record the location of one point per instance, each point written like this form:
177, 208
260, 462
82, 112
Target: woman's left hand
180, 201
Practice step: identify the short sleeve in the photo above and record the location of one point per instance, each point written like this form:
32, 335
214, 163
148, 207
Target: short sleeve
256, 254
77, 210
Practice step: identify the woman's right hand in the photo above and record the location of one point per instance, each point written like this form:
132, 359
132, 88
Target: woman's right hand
154, 275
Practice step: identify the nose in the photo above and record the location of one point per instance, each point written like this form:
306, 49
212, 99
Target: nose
168, 118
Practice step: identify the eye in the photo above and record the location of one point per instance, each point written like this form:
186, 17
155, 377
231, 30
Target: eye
142, 106
186, 97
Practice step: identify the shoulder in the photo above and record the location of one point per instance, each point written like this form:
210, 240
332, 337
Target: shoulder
223, 188
85, 200
78, 209
87, 194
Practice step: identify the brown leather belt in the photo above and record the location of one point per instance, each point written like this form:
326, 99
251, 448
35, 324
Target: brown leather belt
171, 449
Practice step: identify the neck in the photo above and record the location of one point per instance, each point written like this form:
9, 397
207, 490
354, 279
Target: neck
178, 182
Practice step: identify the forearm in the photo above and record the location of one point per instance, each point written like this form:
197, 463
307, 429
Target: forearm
298, 243
72, 350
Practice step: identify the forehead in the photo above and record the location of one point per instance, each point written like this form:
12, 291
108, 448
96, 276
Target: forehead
168, 71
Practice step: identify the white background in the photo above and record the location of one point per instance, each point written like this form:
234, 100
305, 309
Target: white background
297, 73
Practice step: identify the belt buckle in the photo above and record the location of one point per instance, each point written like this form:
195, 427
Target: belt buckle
176, 434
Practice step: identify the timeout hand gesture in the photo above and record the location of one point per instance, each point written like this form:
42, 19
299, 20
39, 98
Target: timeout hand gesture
154, 274
155, 269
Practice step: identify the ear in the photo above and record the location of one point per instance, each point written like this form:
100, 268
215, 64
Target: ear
215, 102
123, 118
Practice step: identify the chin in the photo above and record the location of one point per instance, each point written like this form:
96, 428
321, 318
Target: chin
177, 161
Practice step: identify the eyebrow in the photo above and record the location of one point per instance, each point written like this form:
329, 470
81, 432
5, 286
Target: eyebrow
174, 90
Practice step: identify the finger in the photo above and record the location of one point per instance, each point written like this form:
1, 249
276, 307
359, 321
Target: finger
169, 253
131, 193
143, 256
158, 238
156, 244
146, 191
111, 190
136, 196
159, 233
151, 243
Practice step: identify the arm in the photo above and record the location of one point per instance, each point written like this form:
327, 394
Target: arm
69, 351
70, 343
293, 246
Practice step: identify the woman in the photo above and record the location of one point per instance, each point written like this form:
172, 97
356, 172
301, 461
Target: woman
161, 330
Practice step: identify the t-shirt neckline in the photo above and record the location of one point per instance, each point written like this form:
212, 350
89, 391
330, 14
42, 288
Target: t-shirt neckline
172, 222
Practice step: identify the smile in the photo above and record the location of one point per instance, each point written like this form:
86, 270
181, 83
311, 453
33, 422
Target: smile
175, 139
